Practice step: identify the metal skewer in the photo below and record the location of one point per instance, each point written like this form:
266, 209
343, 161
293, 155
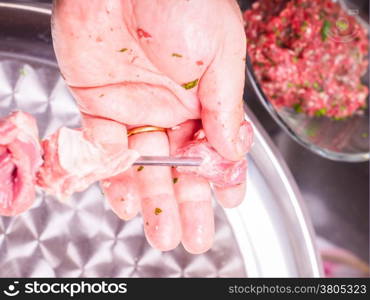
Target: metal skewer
168, 161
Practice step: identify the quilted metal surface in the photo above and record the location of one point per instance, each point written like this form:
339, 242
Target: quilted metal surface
84, 238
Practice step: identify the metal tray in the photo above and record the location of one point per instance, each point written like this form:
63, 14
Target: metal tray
269, 235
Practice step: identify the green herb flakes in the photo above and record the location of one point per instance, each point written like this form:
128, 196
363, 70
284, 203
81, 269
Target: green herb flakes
325, 30
304, 26
298, 107
175, 180
321, 112
276, 31
190, 85
274, 96
123, 50
140, 168
157, 211
341, 25
317, 87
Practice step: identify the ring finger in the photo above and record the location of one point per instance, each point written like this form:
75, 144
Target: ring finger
158, 204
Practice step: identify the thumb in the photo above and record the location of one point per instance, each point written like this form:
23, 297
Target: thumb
221, 94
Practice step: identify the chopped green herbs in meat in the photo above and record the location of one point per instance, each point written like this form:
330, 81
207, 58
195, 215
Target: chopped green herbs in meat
309, 55
190, 85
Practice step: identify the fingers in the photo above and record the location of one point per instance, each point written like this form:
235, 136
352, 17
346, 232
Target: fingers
122, 194
221, 94
227, 196
230, 197
111, 135
194, 197
196, 212
158, 204
76, 158
121, 191
182, 134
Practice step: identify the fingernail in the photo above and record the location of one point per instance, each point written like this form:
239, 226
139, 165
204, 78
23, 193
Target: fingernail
245, 138
197, 221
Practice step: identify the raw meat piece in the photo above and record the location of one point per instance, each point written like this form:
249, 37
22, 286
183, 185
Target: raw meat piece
215, 168
73, 162
20, 158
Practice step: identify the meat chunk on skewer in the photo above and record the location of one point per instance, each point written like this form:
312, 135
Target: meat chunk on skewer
76, 158
20, 159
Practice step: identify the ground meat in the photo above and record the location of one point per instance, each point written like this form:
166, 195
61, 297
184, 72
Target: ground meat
308, 55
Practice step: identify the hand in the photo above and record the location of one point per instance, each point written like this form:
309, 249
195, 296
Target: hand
174, 64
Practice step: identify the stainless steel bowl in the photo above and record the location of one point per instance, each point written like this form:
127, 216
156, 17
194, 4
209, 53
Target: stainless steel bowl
268, 235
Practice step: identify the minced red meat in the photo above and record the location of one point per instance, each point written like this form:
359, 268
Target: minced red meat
309, 55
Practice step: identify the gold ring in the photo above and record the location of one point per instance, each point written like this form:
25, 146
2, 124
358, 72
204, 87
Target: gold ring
142, 129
